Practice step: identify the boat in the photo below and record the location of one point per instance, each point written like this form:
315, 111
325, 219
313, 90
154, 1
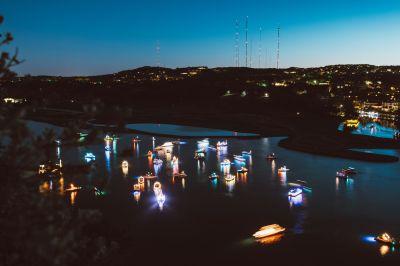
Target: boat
136, 139
385, 238
157, 161
167, 144
149, 153
125, 164
246, 153
242, 170
239, 158
141, 180
269, 230
157, 187
73, 188
136, 187
342, 174
271, 156
108, 138
283, 169
199, 156
350, 171
222, 144
303, 184
295, 192
89, 157
201, 151
181, 174
214, 176
226, 162
230, 177
150, 176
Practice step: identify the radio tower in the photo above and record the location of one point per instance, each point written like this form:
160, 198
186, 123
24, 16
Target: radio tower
259, 50
237, 59
158, 63
247, 43
278, 49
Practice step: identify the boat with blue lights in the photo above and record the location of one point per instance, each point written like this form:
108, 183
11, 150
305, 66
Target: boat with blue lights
295, 192
239, 158
214, 176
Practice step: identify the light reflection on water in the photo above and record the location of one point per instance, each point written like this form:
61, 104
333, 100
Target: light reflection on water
264, 183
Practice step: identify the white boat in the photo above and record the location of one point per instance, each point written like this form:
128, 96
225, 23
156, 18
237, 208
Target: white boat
295, 192
222, 144
283, 169
167, 145
271, 156
269, 230
73, 188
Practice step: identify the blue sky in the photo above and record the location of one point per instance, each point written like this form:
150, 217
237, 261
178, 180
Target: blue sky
70, 37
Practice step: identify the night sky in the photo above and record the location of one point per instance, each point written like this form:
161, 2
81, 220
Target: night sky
71, 37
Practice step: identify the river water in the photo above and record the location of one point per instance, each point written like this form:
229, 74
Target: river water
203, 221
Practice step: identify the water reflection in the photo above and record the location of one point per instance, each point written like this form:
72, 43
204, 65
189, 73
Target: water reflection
296, 201
73, 197
282, 178
230, 185
201, 167
108, 161
384, 250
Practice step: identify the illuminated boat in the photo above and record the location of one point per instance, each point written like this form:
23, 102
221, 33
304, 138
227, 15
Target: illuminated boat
239, 158
386, 239
157, 162
73, 188
352, 124
271, 156
181, 174
136, 139
350, 171
108, 138
150, 176
226, 162
302, 184
167, 145
295, 192
246, 153
230, 177
149, 153
125, 164
89, 157
141, 180
157, 187
269, 230
243, 170
136, 187
199, 156
283, 169
214, 176
342, 174
222, 144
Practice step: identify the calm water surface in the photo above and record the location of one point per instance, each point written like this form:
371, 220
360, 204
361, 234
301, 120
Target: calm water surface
211, 222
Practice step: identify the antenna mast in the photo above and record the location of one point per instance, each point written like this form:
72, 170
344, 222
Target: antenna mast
259, 50
278, 50
237, 59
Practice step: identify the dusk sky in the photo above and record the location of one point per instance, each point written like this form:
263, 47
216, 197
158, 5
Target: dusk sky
71, 37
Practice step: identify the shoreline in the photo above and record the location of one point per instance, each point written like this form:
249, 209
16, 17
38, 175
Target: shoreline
300, 134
